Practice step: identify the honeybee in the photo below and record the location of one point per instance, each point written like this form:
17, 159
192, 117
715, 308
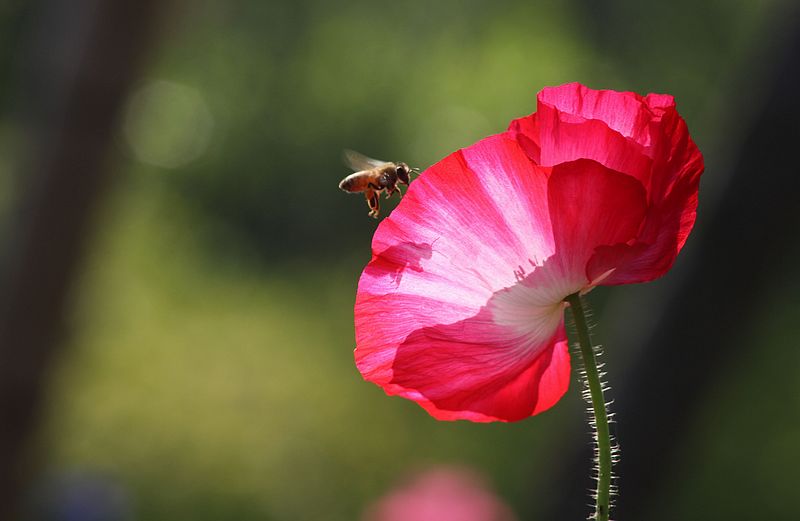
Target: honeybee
373, 177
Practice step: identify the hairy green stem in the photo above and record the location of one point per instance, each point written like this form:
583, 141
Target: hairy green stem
595, 389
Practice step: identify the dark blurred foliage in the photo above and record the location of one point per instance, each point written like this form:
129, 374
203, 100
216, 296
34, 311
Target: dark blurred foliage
297, 82
14, 17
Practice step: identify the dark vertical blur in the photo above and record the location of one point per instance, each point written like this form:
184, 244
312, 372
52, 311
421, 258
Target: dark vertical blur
81, 59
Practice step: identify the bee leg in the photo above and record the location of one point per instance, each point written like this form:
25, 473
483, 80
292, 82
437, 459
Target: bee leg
374, 203
369, 193
376, 206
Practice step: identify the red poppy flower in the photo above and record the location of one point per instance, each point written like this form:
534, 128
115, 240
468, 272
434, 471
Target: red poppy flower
461, 307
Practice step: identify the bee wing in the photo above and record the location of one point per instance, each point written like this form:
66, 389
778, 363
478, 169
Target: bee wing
358, 161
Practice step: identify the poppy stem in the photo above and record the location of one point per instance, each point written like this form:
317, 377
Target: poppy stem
593, 393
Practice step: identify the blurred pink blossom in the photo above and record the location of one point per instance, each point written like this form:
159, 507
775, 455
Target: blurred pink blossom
441, 494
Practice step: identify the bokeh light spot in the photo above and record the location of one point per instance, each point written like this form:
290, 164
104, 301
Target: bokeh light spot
167, 124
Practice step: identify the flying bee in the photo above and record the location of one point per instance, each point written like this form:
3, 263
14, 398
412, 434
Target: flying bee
373, 177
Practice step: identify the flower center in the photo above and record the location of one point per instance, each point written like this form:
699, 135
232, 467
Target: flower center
533, 308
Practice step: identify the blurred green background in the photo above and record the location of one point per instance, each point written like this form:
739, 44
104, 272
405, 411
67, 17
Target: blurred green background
209, 371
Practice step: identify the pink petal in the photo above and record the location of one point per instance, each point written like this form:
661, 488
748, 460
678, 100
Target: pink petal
469, 207
591, 206
664, 232
427, 325
467, 370
627, 113
616, 129
526, 132
591, 140
677, 166
643, 137
675, 157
